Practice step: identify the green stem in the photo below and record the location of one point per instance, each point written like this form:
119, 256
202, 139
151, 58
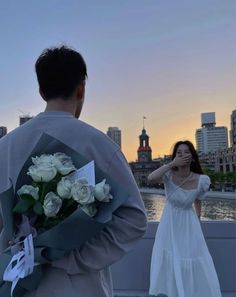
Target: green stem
45, 222
44, 186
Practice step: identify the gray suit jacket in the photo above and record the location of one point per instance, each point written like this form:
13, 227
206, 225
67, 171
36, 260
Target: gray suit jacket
85, 271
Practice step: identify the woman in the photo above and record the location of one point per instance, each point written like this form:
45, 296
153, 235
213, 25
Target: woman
181, 265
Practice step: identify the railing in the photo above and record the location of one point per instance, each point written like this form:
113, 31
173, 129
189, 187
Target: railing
131, 274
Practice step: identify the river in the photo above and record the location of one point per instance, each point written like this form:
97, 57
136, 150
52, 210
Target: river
212, 209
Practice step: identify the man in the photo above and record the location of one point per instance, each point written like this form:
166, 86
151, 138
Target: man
84, 272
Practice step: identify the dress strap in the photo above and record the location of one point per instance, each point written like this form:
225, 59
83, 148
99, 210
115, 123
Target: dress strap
178, 186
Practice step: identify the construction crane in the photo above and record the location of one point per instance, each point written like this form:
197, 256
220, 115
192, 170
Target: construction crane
24, 117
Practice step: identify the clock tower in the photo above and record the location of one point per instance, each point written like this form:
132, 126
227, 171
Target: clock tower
144, 150
144, 165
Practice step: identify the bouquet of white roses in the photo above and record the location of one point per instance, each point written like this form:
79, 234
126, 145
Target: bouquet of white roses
55, 191
52, 209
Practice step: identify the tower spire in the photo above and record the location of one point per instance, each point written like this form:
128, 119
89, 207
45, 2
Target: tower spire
144, 118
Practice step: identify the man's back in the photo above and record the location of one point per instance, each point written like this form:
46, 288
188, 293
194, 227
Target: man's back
83, 272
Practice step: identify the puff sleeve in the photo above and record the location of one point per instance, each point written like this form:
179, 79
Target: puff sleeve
204, 186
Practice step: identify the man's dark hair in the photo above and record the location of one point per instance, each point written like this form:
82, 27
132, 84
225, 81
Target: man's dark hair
59, 70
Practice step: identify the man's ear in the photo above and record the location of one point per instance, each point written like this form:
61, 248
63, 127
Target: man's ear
80, 91
42, 95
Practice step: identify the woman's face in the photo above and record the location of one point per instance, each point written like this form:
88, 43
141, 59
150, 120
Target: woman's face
183, 151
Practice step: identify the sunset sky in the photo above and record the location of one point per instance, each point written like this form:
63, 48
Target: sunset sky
167, 60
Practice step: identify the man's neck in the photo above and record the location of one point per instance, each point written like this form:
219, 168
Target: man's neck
61, 105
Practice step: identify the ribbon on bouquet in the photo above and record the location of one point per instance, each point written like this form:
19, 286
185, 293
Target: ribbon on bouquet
21, 264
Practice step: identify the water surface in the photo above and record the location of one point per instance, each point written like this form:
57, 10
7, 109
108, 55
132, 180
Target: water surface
212, 209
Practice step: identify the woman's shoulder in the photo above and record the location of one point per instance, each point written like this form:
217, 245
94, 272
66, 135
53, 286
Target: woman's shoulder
203, 180
203, 177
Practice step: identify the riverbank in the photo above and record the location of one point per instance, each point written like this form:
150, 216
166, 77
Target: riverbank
209, 194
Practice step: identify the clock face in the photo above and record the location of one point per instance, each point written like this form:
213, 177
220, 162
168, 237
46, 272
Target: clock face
143, 157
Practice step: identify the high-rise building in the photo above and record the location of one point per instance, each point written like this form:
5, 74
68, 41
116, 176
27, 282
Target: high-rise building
24, 119
115, 134
210, 138
233, 128
208, 119
3, 131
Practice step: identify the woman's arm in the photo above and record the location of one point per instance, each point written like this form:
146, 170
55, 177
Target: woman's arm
198, 207
156, 176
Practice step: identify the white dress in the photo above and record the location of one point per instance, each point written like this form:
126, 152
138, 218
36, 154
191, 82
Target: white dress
181, 264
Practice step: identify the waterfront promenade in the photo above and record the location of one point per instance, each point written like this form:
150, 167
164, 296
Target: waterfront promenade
131, 273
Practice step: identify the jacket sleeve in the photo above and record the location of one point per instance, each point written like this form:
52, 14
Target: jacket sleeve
1, 223
3, 187
120, 235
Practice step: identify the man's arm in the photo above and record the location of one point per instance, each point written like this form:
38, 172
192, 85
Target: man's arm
1, 222
127, 226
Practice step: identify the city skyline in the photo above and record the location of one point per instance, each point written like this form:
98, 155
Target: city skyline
167, 60
28, 116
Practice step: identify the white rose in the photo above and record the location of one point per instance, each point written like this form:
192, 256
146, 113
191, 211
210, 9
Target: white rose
89, 209
29, 190
102, 191
43, 159
43, 172
82, 192
51, 204
63, 163
64, 187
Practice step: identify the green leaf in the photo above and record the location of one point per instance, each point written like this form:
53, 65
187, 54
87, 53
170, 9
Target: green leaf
27, 197
23, 205
38, 208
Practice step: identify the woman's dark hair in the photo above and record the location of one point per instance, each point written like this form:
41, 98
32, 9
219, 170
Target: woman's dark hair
59, 70
195, 164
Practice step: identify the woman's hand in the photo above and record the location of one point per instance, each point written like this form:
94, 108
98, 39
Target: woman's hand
181, 161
